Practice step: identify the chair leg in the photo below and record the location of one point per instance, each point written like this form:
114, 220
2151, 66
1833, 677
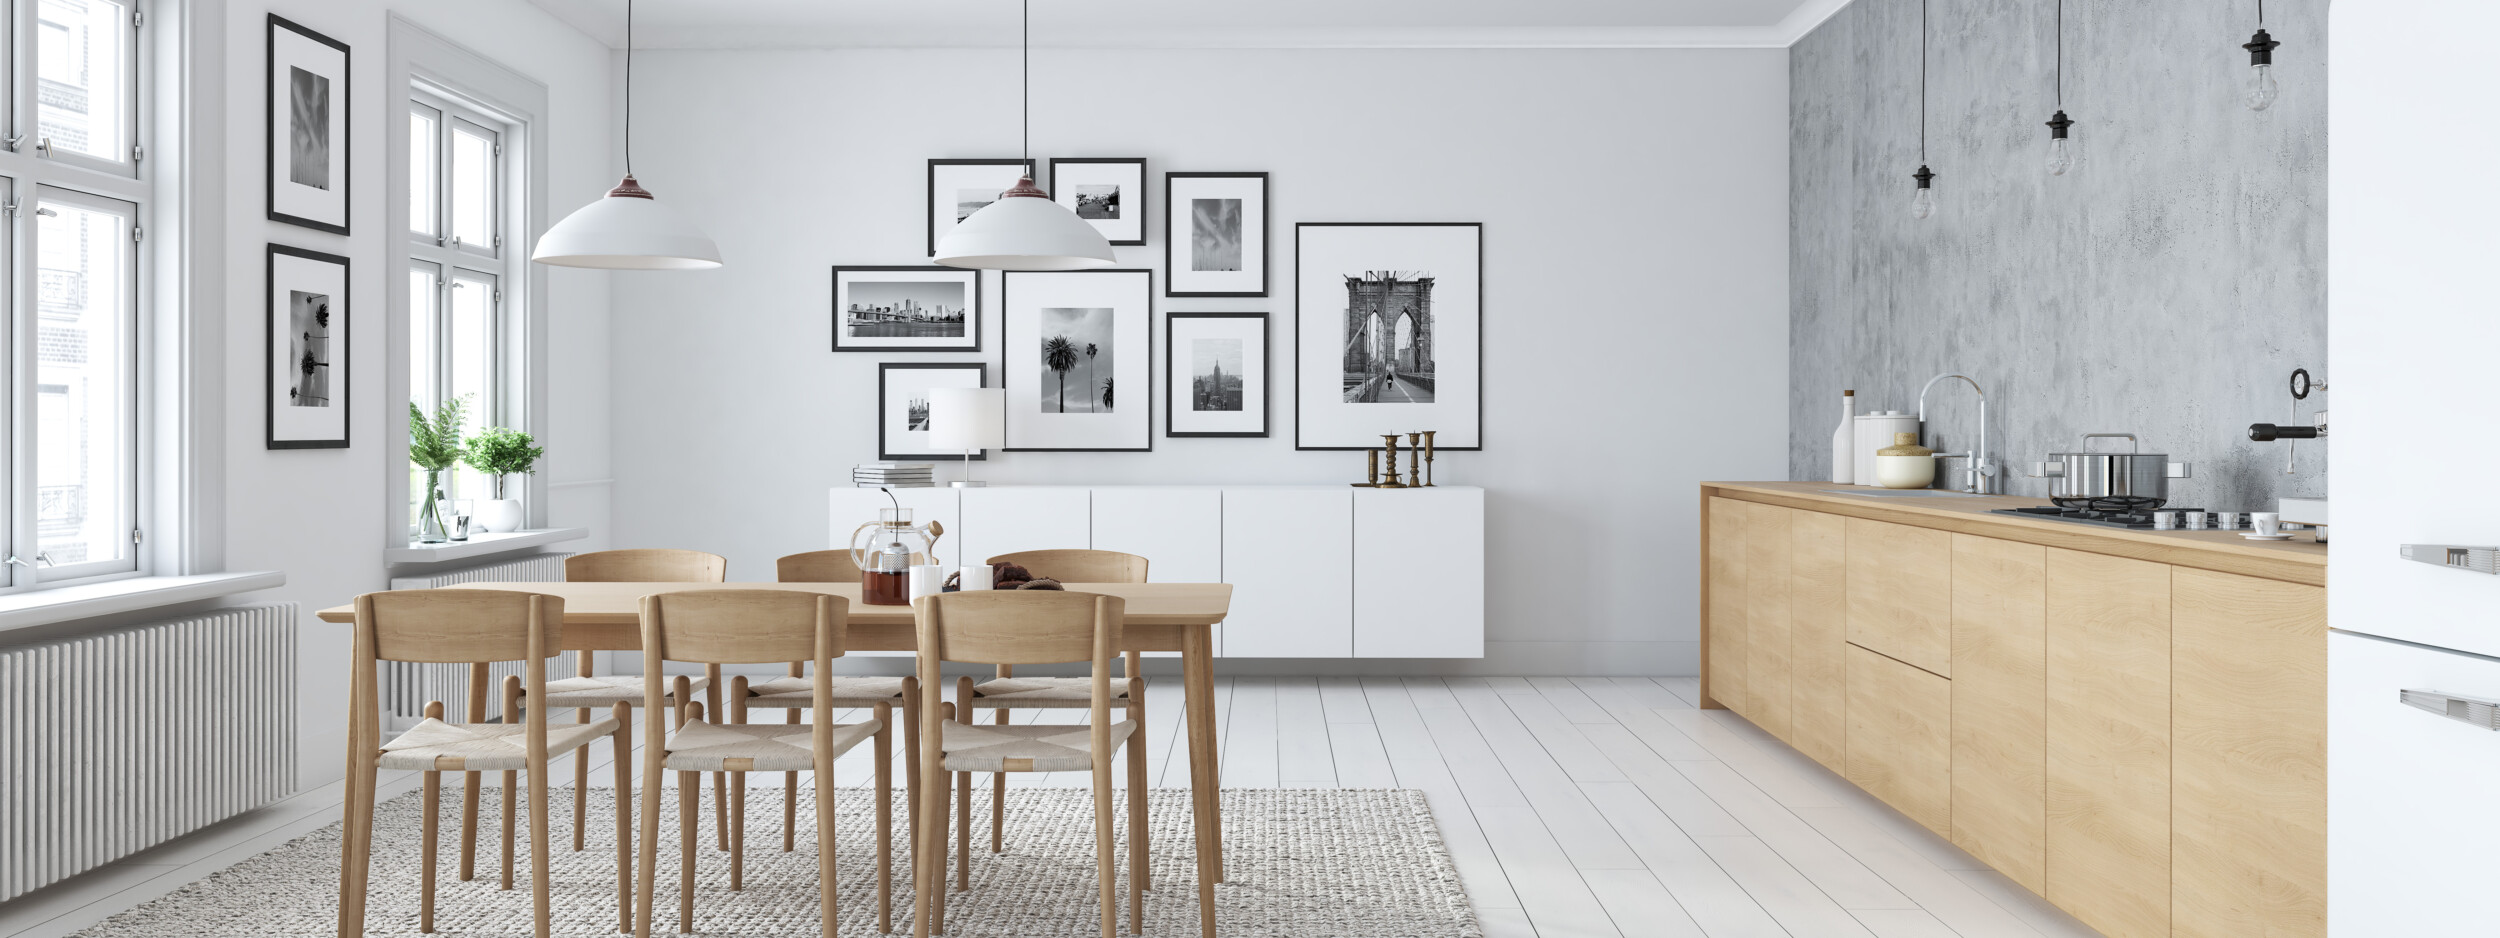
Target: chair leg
911, 758
539, 848
825, 848
789, 798
689, 803
433, 834
511, 780
737, 714
938, 805
885, 817
963, 802
998, 799
472, 782
1139, 877
1104, 855
624, 818
356, 837
586, 662
720, 780
648, 847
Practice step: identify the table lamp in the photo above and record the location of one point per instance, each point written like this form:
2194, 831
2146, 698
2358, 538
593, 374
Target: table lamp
968, 419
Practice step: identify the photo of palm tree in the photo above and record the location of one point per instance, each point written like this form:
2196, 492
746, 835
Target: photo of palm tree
1076, 339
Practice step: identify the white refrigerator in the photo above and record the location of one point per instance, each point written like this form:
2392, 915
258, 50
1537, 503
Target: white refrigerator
2414, 355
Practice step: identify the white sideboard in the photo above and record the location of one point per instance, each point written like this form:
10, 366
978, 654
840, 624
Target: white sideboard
1317, 571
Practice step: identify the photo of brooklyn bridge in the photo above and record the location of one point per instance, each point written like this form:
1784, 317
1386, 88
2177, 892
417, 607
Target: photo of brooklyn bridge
1388, 337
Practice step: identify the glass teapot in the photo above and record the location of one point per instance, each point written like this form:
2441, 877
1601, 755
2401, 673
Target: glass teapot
886, 549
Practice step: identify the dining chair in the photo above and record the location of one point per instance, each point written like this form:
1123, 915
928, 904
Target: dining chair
1009, 692
585, 691
455, 626
795, 692
1012, 627
731, 626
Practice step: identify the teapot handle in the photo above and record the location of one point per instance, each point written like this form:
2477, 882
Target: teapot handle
859, 558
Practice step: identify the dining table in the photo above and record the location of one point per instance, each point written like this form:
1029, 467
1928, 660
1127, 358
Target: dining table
1171, 617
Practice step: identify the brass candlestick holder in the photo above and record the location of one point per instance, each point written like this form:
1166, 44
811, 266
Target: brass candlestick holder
1392, 483
1371, 470
1415, 458
1428, 457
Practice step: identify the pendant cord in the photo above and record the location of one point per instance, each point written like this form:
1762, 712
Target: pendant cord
629, 88
1026, 93
1922, 81
2261, 14
2061, 54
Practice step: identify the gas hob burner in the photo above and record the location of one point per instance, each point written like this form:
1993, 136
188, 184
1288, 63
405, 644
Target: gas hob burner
2106, 512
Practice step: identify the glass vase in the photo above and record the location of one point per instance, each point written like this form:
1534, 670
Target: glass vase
430, 516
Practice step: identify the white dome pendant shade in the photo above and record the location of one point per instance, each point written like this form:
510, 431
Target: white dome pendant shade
1025, 230
627, 230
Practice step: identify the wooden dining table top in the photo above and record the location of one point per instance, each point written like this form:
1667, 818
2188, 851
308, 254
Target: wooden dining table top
1149, 604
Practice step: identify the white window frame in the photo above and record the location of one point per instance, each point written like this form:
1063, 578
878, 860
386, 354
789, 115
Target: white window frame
27, 133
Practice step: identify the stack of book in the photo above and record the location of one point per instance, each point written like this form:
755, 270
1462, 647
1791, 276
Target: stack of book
901, 475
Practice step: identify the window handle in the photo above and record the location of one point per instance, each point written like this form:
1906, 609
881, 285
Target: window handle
15, 140
43, 147
41, 557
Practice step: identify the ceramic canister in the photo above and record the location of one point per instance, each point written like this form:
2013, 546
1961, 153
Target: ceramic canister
1876, 431
1905, 464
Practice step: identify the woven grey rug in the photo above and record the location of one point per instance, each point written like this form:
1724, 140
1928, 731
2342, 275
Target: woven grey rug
1301, 863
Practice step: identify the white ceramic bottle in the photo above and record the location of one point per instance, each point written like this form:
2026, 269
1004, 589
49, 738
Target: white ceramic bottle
1845, 441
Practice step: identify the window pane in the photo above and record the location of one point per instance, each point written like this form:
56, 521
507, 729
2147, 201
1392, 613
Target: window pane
472, 187
82, 94
83, 384
472, 355
424, 211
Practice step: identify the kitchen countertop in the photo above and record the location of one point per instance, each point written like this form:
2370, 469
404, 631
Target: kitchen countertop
2299, 560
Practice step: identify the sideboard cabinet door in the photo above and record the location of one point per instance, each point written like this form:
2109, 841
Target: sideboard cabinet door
1419, 573
1178, 529
1289, 553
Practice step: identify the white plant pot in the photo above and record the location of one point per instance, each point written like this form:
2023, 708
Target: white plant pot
496, 515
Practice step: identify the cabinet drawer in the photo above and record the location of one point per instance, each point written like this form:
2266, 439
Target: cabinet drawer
1900, 736
1900, 593
1723, 677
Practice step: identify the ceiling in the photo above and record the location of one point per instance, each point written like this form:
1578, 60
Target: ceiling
746, 24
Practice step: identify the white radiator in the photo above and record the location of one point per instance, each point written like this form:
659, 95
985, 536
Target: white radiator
121, 740
407, 686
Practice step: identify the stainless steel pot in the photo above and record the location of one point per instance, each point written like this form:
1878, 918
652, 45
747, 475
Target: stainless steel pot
2129, 481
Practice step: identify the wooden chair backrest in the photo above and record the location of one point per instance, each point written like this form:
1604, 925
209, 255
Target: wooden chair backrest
1012, 627
732, 626
1079, 566
824, 566
646, 565
457, 626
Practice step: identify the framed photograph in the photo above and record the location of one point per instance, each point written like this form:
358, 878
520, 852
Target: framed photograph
903, 406
308, 374
1388, 333
958, 188
1215, 374
1109, 193
906, 309
1076, 365
308, 105
1215, 234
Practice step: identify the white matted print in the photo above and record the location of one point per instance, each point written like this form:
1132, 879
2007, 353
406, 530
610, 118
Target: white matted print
1077, 360
1109, 193
958, 188
1389, 333
903, 406
1215, 374
1215, 234
906, 309
308, 105
308, 375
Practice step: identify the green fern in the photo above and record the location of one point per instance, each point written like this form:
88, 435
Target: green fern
434, 445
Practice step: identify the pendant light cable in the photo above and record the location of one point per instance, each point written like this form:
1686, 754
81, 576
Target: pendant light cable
629, 87
1027, 93
2061, 54
1922, 80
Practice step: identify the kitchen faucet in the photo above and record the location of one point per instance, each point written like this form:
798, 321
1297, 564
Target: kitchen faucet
1977, 470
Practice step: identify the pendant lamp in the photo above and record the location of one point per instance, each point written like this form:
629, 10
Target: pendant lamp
1025, 229
627, 230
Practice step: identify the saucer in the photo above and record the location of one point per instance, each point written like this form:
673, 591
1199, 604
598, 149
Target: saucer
2267, 537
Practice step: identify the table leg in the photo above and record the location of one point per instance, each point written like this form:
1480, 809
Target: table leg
1198, 699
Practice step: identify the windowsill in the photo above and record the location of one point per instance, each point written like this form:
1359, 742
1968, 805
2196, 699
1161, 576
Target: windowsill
482, 545
131, 594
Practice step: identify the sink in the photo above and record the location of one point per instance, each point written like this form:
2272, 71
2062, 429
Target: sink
1902, 493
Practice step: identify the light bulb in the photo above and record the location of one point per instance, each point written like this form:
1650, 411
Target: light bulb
1923, 204
2262, 88
2061, 156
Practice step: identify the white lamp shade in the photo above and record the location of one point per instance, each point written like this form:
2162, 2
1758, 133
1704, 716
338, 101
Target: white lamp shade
627, 232
1025, 233
968, 418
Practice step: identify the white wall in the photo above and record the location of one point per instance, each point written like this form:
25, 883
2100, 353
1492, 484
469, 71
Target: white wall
318, 515
1635, 211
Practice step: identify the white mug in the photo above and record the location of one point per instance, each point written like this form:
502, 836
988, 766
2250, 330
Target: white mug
974, 576
2196, 520
2165, 520
2266, 523
927, 580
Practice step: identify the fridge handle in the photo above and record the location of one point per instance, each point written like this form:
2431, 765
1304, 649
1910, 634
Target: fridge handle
2475, 711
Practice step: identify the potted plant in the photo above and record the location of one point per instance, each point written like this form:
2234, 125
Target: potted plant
501, 452
434, 446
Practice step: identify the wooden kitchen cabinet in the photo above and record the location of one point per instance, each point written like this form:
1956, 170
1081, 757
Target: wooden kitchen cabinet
2248, 722
1900, 736
1723, 678
1818, 637
2000, 686
1767, 674
1901, 593
2108, 789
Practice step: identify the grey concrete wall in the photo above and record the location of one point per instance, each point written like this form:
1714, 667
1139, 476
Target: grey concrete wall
2166, 286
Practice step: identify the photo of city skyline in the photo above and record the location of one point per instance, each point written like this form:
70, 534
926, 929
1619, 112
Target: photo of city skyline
1215, 375
906, 309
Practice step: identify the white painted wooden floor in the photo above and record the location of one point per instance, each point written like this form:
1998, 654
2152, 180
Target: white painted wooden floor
1575, 807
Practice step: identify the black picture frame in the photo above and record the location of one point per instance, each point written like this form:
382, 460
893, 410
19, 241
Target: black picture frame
1128, 213
931, 205
1173, 373
335, 147
972, 315
1008, 334
885, 446
1306, 331
341, 372
1174, 233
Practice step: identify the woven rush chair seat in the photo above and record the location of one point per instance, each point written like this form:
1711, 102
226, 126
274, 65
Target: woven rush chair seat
794, 692
701, 746
1044, 692
601, 690
974, 747
483, 747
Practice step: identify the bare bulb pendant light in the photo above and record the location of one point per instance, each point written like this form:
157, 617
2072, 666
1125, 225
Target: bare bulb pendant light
1025, 229
2061, 152
2261, 90
1923, 203
627, 230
